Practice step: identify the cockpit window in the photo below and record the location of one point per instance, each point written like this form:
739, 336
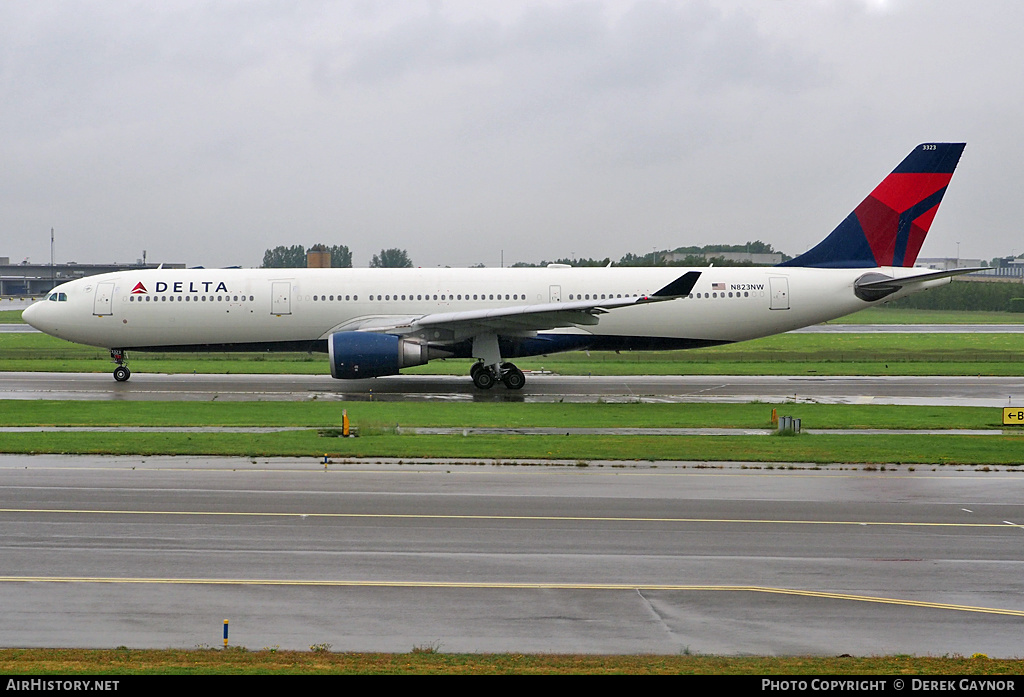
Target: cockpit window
58, 297
53, 297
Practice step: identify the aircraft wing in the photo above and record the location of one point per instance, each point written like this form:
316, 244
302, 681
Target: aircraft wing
446, 327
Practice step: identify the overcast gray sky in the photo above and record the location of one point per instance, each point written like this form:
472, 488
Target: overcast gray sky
207, 132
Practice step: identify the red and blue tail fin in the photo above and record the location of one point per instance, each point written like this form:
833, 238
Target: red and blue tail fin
889, 226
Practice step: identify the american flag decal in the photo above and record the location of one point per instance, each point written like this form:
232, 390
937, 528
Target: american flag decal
717, 286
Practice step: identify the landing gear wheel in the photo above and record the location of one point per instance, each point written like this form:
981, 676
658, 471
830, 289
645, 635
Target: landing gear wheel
512, 377
121, 372
483, 378
476, 368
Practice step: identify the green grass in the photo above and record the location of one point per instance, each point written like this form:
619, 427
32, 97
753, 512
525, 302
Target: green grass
488, 414
786, 354
1003, 450
377, 422
11, 317
237, 661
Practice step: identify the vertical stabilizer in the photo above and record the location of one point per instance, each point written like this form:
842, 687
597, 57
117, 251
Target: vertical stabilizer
889, 226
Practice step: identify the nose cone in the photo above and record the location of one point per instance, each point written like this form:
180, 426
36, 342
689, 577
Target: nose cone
44, 316
33, 314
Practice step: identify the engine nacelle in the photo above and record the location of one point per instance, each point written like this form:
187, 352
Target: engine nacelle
367, 355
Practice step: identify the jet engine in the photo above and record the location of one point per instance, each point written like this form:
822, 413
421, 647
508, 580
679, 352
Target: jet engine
366, 355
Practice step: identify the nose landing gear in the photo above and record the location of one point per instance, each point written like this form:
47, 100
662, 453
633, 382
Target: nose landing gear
121, 372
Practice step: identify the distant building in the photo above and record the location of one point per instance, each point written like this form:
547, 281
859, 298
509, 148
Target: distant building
948, 263
38, 279
1010, 269
318, 259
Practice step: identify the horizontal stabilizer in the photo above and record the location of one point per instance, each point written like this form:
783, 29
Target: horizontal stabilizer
875, 286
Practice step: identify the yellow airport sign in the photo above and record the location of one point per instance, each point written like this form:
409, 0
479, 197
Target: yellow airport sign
1013, 416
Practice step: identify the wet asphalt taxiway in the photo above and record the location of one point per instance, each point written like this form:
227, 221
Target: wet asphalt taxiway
480, 556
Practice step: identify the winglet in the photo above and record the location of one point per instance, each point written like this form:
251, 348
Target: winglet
889, 226
679, 287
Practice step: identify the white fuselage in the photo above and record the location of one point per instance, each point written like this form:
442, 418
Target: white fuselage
239, 307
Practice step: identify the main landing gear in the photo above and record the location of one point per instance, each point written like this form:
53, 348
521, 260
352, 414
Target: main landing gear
121, 372
490, 368
484, 376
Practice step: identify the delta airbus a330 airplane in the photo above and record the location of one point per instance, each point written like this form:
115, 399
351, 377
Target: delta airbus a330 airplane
374, 322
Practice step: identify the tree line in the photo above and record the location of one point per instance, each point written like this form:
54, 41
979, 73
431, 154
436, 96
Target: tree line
692, 256
294, 256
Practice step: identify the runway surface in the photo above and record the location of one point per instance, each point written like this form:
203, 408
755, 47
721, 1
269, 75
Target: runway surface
157, 552
928, 390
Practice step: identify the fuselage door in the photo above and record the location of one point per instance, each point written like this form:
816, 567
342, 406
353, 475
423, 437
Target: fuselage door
779, 286
103, 303
281, 298
555, 294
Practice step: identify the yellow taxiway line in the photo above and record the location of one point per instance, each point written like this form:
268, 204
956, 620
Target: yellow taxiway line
512, 586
